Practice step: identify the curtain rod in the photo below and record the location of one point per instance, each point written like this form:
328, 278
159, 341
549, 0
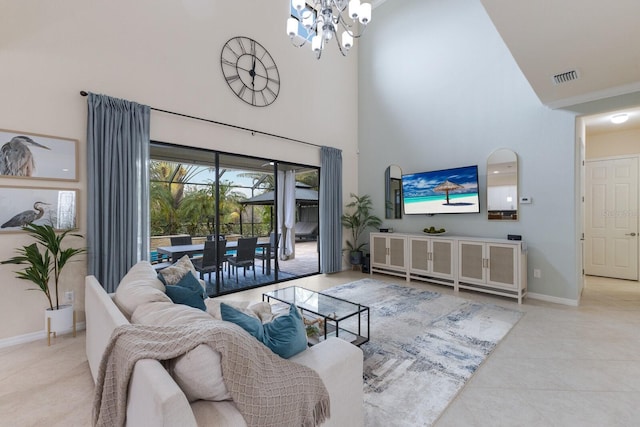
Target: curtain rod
253, 131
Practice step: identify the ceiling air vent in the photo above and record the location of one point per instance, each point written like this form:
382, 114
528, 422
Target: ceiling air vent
565, 77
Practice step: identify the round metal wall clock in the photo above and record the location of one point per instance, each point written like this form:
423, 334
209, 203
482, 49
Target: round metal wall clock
250, 71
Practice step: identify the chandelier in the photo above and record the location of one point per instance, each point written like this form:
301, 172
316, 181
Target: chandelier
318, 21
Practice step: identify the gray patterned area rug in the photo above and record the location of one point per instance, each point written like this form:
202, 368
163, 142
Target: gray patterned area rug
423, 347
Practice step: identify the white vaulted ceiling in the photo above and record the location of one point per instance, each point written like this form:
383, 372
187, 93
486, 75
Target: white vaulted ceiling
598, 39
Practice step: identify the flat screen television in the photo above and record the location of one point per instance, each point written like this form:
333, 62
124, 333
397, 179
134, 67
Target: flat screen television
441, 191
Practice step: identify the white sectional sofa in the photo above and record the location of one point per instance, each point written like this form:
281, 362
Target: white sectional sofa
156, 399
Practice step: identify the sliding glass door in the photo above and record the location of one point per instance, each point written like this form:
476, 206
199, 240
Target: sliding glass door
229, 199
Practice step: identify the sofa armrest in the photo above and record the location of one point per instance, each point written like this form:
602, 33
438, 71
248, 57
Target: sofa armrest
154, 399
102, 317
340, 365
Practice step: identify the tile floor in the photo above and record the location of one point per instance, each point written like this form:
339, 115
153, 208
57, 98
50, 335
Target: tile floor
562, 366
559, 366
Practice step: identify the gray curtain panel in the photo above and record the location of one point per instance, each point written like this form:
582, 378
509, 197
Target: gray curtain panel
330, 210
118, 187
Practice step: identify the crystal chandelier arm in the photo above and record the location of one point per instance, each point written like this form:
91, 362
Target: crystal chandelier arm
349, 29
321, 20
343, 51
300, 44
317, 45
308, 20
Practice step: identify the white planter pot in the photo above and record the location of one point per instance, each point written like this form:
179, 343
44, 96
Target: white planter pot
61, 319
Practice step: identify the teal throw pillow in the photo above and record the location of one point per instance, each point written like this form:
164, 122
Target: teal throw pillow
162, 279
190, 281
246, 322
182, 295
285, 335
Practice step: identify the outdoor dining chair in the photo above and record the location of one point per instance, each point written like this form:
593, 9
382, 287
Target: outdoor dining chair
263, 255
177, 241
245, 256
181, 240
212, 260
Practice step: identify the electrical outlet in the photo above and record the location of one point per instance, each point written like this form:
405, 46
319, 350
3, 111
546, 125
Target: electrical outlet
537, 273
69, 296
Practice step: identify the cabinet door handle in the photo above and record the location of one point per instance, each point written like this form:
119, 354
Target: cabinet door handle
630, 234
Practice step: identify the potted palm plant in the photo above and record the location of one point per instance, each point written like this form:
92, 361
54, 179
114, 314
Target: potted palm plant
358, 221
43, 267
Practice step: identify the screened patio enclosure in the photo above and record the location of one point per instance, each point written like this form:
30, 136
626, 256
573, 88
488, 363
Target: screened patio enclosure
207, 195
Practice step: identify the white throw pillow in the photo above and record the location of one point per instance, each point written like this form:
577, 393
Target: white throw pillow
213, 306
139, 286
262, 310
198, 372
172, 274
259, 310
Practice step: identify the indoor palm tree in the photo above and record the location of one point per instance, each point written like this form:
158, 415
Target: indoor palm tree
357, 222
43, 267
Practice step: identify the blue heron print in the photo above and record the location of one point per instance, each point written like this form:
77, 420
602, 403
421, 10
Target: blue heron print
16, 158
26, 217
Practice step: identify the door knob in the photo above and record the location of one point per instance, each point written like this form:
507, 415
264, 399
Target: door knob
630, 234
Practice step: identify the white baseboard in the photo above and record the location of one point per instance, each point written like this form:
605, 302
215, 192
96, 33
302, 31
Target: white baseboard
35, 336
557, 300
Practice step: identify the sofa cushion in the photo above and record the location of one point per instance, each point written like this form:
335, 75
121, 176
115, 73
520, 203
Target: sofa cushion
225, 414
139, 286
167, 313
285, 335
197, 372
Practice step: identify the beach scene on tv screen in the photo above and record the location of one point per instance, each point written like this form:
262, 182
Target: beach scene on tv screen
444, 191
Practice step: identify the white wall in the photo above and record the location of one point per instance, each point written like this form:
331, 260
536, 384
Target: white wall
439, 89
164, 54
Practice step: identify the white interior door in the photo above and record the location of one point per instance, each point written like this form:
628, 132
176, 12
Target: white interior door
611, 218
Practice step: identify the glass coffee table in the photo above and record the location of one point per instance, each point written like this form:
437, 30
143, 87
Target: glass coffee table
337, 317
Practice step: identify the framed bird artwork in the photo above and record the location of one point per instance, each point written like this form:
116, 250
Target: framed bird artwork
20, 206
30, 155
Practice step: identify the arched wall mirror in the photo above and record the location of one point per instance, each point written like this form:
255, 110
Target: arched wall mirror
502, 185
393, 192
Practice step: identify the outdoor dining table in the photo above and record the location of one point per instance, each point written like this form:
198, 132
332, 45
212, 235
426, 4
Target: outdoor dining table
198, 248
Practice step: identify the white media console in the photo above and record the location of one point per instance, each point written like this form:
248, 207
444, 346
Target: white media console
495, 266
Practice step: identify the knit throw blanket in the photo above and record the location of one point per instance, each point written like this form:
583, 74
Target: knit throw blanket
267, 390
